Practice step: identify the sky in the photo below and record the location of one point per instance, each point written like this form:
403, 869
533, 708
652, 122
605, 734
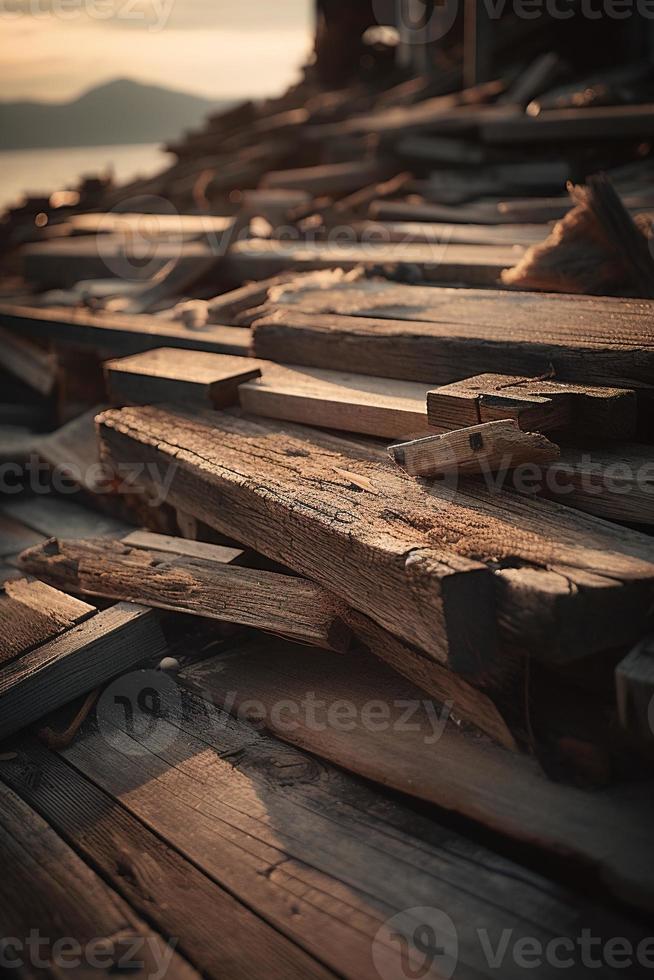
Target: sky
53, 50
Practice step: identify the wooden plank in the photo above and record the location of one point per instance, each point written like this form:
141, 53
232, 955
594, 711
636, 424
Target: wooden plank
336, 400
148, 228
16, 536
536, 405
279, 604
112, 641
440, 233
471, 264
183, 546
118, 334
634, 684
323, 857
502, 791
32, 613
481, 448
614, 482
190, 377
77, 920
62, 518
29, 362
218, 934
330, 178
601, 122
565, 584
442, 351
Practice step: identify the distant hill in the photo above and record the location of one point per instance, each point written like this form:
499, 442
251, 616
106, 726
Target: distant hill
122, 111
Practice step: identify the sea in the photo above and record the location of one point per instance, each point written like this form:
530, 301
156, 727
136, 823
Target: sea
45, 170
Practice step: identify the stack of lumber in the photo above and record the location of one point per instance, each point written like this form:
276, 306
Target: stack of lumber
320, 451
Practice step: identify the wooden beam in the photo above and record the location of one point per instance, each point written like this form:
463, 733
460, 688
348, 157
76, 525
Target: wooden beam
634, 683
502, 791
330, 178
476, 265
477, 449
443, 351
336, 400
441, 234
202, 586
118, 334
566, 584
31, 613
536, 405
112, 641
601, 122
170, 375
24, 359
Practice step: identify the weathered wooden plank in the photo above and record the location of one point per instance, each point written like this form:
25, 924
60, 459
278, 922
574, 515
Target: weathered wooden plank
481, 448
336, 400
118, 334
32, 613
442, 351
634, 684
62, 518
608, 831
601, 122
183, 546
440, 233
319, 855
148, 228
416, 557
330, 178
75, 662
536, 404
215, 932
60, 918
16, 536
475, 265
34, 365
190, 377
280, 604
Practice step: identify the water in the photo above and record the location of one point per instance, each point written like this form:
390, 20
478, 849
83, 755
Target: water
46, 170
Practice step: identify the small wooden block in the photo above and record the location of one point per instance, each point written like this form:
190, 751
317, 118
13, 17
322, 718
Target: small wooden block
149, 541
172, 375
479, 448
634, 683
536, 405
335, 400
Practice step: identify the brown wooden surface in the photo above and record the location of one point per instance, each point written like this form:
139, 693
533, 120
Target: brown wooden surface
50, 889
416, 557
201, 586
171, 375
536, 404
337, 400
34, 365
500, 790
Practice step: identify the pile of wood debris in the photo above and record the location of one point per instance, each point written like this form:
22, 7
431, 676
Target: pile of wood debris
295, 394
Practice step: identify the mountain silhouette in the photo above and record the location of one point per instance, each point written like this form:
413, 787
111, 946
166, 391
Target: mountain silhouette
122, 111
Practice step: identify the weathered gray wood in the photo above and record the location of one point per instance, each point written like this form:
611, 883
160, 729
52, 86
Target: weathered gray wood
481, 448
634, 683
536, 404
607, 830
317, 854
61, 517
476, 265
331, 178
32, 613
441, 234
53, 893
416, 557
205, 586
34, 365
170, 375
75, 662
119, 334
337, 400
215, 932
16, 536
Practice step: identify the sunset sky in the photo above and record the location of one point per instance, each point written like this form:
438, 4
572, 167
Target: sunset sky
55, 49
